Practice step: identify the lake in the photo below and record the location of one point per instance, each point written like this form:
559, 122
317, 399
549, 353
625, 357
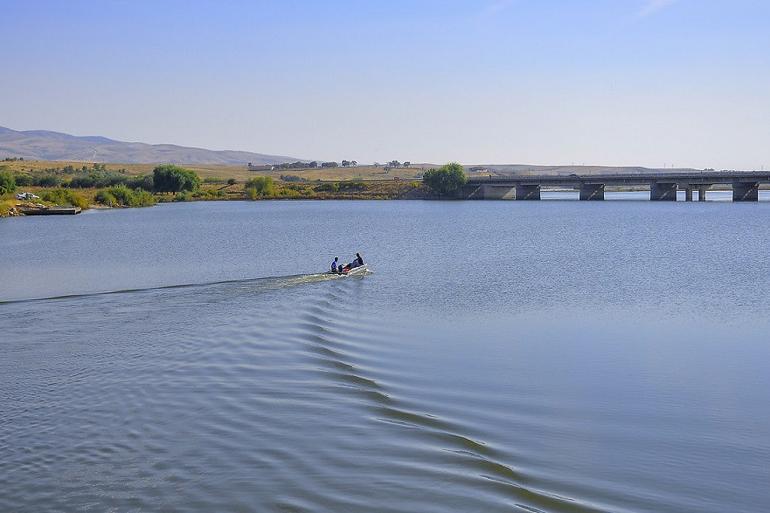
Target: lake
552, 356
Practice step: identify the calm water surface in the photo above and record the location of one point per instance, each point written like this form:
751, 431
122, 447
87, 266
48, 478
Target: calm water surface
504, 356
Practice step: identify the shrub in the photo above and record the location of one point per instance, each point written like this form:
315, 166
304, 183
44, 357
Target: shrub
170, 178
352, 186
106, 198
144, 182
64, 197
290, 193
48, 181
446, 180
7, 183
260, 186
211, 193
120, 195
328, 187
143, 198
82, 182
184, 196
231, 181
97, 176
23, 180
293, 178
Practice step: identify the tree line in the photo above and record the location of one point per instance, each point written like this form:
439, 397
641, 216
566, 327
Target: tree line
166, 178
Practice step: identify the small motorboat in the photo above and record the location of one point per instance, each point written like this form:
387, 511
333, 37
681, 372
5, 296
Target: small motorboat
42, 210
361, 269
355, 271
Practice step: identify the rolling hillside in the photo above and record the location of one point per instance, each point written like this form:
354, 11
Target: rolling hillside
45, 145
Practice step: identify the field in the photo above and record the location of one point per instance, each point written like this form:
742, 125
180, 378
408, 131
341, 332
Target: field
240, 173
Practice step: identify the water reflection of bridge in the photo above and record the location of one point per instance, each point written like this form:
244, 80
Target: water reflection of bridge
663, 186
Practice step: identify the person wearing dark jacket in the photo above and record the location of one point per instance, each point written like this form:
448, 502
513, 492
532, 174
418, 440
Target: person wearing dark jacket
359, 260
334, 265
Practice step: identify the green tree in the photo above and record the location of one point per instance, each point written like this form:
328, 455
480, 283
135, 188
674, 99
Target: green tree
7, 183
170, 178
446, 180
260, 186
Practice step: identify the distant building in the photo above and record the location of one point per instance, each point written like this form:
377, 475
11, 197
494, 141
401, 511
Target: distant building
260, 167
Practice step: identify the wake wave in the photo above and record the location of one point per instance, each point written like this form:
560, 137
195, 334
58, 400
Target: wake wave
462, 457
267, 282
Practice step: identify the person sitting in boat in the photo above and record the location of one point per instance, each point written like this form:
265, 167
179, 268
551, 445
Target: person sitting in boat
334, 264
357, 262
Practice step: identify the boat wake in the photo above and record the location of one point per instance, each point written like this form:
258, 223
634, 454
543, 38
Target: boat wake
264, 283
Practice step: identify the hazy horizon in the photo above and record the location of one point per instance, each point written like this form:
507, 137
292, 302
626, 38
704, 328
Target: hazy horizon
655, 83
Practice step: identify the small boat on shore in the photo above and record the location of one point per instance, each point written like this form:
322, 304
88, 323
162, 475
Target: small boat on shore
49, 211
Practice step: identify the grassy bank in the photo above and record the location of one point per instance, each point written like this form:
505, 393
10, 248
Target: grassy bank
122, 196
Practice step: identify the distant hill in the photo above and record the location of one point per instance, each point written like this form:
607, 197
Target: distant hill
45, 145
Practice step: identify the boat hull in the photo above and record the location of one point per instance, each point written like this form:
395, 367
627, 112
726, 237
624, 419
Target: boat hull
356, 271
49, 211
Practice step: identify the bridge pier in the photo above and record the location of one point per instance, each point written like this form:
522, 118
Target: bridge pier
527, 192
663, 187
591, 191
663, 191
496, 192
745, 191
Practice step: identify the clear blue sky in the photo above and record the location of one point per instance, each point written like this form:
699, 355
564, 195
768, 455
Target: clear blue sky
648, 82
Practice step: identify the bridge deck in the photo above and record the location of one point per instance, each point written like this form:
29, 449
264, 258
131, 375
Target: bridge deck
705, 178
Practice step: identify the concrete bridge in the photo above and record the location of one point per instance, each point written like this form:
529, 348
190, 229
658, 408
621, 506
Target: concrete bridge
663, 186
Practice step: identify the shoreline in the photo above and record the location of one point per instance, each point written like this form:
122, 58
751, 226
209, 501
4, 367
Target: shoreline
9, 207
106, 186
418, 195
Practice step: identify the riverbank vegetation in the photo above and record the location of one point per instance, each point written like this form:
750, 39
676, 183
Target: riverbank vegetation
260, 187
107, 185
65, 197
446, 181
122, 196
7, 183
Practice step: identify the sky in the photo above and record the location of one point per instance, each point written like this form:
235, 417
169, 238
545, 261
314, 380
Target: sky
659, 83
